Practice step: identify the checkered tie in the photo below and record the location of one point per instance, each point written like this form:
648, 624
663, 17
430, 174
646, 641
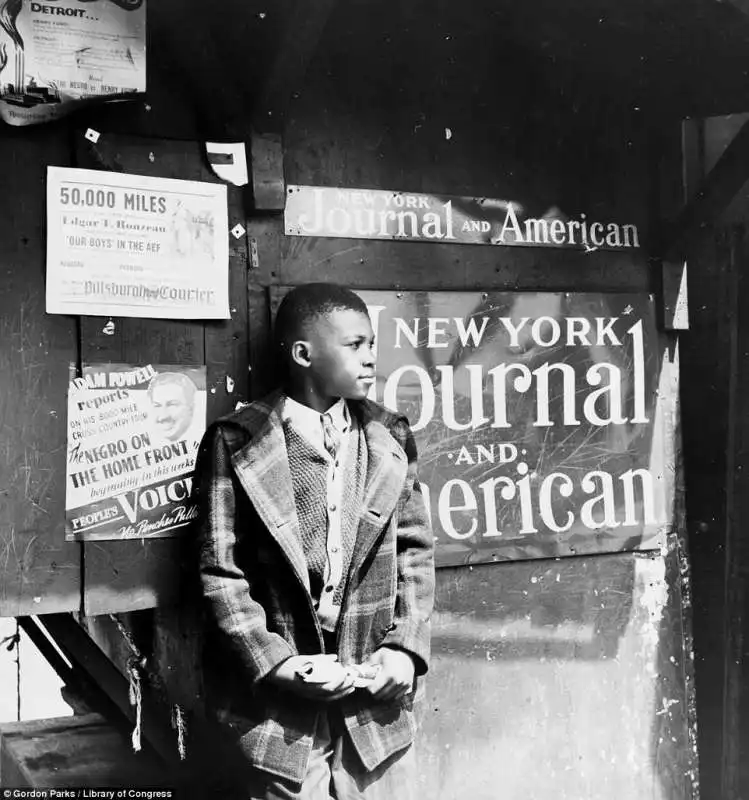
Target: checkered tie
331, 437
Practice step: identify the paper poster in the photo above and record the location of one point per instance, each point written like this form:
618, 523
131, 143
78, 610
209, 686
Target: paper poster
538, 417
133, 436
55, 54
135, 246
450, 219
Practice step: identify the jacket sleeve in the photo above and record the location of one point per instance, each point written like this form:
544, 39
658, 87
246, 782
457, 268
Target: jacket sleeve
241, 621
411, 629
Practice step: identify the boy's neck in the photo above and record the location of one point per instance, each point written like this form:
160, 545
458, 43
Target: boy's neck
307, 396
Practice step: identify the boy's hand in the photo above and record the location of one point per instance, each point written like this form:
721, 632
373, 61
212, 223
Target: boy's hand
331, 681
396, 676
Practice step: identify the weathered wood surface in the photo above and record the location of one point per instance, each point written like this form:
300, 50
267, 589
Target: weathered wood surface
574, 672
714, 418
717, 448
736, 701
73, 752
40, 570
135, 576
127, 575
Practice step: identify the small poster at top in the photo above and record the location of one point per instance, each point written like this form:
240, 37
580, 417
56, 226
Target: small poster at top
55, 54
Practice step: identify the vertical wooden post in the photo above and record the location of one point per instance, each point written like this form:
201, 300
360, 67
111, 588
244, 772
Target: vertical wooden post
736, 620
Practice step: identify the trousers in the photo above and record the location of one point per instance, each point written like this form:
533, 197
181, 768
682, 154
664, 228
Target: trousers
336, 773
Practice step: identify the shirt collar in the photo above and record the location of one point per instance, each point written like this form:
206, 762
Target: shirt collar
304, 418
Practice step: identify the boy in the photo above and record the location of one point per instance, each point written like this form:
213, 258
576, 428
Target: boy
316, 562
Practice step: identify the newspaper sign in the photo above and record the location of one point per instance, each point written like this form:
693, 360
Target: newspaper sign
412, 216
135, 246
133, 436
54, 54
539, 419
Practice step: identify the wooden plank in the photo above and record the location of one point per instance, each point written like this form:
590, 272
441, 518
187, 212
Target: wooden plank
736, 621
705, 379
261, 344
268, 188
693, 156
89, 658
85, 751
227, 341
39, 570
264, 233
413, 265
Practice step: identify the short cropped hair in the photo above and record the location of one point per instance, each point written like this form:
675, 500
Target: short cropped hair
303, 304
188, 386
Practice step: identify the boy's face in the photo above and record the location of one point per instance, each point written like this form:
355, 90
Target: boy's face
341, 356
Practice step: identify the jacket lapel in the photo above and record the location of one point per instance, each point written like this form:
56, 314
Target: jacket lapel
386, 472
263, 470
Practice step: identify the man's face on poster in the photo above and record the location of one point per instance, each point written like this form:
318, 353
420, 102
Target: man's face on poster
172, 410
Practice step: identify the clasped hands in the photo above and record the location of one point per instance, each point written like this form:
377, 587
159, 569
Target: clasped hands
393, 676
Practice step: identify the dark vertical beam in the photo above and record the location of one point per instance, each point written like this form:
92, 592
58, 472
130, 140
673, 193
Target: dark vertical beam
705, 398
736, 620
713, 197
733, 589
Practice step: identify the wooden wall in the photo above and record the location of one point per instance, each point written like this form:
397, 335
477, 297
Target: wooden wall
564, 678
567, 678
41, 572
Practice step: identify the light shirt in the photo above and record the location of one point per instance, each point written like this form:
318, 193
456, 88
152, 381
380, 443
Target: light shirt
309, 423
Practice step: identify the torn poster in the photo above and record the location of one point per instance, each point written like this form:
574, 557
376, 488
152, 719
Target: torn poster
57, 54
133, 435
134, 246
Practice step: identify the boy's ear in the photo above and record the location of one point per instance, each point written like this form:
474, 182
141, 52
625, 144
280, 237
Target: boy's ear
300, 353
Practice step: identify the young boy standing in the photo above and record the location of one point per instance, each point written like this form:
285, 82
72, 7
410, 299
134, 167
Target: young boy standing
316, 562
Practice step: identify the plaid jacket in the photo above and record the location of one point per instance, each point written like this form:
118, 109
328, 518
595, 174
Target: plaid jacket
256, 585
